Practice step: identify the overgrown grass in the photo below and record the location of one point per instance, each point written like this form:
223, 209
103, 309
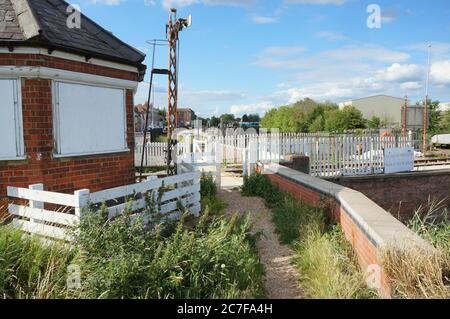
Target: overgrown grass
214, 260
122, 258
30, 269
418, 273
259, 185
327, 265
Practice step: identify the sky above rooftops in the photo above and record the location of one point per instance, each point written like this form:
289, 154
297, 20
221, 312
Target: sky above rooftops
247, 56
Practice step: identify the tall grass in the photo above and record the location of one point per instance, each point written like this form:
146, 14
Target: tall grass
418, 273
122, 258
29, 268
214, 260
327, 265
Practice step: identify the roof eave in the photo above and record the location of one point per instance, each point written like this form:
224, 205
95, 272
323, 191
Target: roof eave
41, 42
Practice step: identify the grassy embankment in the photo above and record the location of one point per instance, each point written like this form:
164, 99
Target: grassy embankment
420, 274
326, 263
215, 258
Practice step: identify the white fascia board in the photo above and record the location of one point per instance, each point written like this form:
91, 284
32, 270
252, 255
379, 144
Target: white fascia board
72, 57
63, 75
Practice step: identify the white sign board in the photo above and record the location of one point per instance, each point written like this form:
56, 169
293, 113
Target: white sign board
398, 160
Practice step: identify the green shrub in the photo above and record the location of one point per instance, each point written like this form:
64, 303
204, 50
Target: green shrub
121, 258
207, 186
260, 185
291, 217
215, 260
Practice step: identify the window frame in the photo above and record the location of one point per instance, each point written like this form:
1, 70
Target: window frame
56, 121
18, 120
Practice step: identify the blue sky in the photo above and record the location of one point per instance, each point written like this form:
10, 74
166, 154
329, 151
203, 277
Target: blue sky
247, 56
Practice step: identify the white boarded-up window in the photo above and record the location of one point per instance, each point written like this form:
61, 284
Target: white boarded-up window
11, 134
88, 119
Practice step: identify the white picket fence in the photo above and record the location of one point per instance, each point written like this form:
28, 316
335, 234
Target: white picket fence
330, 155
34, 218
154, 154
341, 155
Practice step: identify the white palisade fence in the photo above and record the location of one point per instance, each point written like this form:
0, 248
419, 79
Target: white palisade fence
174, 192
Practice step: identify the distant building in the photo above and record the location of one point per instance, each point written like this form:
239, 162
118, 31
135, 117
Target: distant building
155, 120
389, 109
185, 117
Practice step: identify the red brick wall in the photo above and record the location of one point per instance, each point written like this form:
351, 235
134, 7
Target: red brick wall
402, 194
64, 174
363, 246
63, 64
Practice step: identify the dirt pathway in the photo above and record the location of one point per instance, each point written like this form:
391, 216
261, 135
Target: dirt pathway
281, 279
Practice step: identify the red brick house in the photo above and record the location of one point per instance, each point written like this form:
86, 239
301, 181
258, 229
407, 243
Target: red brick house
185, 118
66, 100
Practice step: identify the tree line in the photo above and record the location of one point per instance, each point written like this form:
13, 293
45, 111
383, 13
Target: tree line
310, 116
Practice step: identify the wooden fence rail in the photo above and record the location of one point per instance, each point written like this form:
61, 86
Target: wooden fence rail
36, 219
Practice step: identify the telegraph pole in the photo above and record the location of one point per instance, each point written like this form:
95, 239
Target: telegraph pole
405, 116
173, 28
425, 111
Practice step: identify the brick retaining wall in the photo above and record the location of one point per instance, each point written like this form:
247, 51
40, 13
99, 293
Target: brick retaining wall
401, 194
367, 226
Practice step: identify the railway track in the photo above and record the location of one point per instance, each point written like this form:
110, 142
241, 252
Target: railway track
432, 161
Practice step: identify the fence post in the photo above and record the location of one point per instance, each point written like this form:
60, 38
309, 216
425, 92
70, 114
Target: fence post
244, 162
82, 200
34, 203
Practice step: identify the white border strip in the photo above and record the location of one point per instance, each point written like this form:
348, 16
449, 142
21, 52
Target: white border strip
70, 56
63, 75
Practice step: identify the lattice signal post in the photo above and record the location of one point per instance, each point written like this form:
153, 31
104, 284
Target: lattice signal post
173, 28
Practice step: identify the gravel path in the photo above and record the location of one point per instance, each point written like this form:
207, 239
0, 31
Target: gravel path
281, 280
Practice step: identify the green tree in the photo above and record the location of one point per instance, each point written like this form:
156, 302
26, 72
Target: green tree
298, 117
254, 118
214, 121
349, 118
435, 116
226, 118
444, 124
318, 125
374, 122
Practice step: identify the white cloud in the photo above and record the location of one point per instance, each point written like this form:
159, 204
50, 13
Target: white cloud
195, 99
319, 92
184, 3
331, 36
401, 73
263, 20
346, 59
260, 108
411, 86
367, 52
440, 72
320, 2
389, 16
283, 51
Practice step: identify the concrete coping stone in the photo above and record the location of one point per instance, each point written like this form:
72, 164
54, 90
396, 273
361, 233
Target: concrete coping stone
382, 229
